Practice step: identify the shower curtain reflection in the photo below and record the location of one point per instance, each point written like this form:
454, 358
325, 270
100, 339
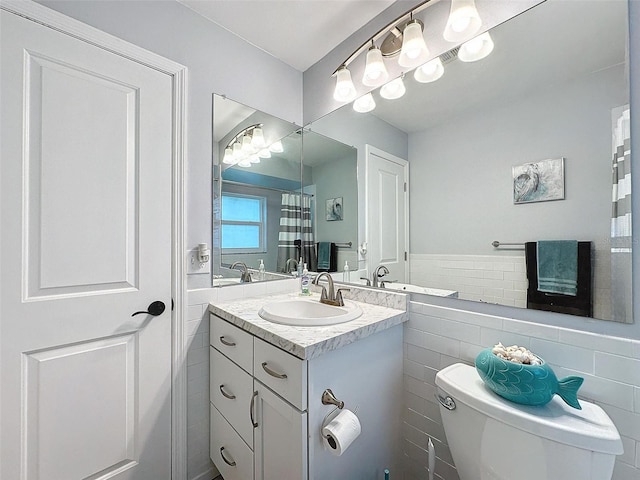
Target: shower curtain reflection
295, 239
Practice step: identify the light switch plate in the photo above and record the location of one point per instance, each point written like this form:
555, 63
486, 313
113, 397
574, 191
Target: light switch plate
194, 266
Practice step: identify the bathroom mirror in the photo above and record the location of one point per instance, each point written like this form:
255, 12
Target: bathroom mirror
248, 190
330, 177
553, 88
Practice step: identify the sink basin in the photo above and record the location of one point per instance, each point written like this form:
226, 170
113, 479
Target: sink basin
305, 312
220, 282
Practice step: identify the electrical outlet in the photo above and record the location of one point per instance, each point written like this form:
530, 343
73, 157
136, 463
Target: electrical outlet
193, 264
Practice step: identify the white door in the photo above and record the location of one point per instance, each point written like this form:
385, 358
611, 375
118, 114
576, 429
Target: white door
85, 242
387, 209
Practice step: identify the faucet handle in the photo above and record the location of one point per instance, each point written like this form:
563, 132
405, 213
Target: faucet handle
339, 298
367, 280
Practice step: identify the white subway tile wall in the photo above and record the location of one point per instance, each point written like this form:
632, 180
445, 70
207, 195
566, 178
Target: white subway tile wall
435, 337
497, 279
199, 466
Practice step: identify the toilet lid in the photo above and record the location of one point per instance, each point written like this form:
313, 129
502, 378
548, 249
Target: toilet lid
589, 428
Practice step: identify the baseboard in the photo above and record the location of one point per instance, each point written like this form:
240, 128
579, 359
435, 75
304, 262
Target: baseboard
210, 474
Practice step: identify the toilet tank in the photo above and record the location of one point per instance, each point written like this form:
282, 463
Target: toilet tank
491, 438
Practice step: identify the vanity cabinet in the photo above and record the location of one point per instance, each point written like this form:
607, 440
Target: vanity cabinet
267, 414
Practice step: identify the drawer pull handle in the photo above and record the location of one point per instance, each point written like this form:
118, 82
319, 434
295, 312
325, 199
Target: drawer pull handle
272, 373
229, 396
228, 344
253, 399
231, 464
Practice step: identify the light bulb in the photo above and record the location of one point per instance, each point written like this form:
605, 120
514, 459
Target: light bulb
264, 153
345, 90
247, 149
228, 156
476, 49
257, 140
414, 50
364, 104
464, 21
394, 89
276, 147
244, 163
375, 72
430, 71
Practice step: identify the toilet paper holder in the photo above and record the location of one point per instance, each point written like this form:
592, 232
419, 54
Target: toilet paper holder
328, 398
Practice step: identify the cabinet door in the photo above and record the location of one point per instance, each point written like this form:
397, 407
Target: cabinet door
280, 438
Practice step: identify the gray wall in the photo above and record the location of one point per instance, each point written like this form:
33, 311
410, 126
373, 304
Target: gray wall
337, 179
211, 54
462, 170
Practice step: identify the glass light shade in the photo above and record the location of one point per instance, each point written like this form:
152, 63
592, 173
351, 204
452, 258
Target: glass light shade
228, 158
375, 72
237, 151
476, 49
394, 89
464, 21
244, 163
254, 158
257, 139
364, 104
264, 153
414, 50
247, 148
430, 71
345, 90
276, 147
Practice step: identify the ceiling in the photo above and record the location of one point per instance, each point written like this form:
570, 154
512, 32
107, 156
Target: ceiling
298, 32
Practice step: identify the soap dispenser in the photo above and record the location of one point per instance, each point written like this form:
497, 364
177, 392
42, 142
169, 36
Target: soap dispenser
304, 281
346, 274
261, 270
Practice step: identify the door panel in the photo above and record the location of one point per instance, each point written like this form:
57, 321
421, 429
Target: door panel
387, 209
85, 188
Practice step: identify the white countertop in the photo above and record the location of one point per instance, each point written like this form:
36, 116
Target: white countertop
307, 342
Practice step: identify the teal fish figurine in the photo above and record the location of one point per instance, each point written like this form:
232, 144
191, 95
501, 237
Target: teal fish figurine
526, 384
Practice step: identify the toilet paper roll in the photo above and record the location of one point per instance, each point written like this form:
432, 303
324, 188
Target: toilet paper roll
340, 432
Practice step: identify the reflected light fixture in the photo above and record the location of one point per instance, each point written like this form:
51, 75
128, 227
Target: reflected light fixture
254, 158
228, 158
414, 50
394, 89
264, 153
476, 49
430, 71
245, 162
364, 104
375, 72
276, 147
463, 22
257, 139
345, 91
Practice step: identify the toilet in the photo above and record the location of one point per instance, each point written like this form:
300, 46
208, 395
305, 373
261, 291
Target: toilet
491, 438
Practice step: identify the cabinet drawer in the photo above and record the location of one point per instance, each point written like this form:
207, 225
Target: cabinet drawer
282, 372
230, 391
228, 452
234, 342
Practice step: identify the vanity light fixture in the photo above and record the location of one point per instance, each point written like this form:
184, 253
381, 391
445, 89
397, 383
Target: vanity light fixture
364, 104
345, 91
375, 72
476, 49
414, 50
247, 148
430, 71
257, 139
394, 89
463, 22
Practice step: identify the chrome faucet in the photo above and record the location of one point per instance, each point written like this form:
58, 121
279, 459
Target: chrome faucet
290, 262
245, 276
329, 298
376, 274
